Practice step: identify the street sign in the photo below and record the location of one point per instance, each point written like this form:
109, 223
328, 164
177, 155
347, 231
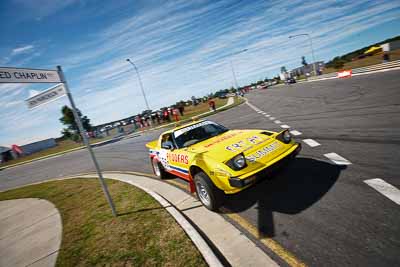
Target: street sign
17, 75
47, 96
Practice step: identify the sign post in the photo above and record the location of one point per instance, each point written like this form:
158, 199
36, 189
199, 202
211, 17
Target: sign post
19, 75
86, 141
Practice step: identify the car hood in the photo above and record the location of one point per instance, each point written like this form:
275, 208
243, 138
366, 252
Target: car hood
225, 146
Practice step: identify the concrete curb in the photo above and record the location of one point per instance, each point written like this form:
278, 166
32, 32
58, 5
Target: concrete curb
197, 239
235, 247
205, 250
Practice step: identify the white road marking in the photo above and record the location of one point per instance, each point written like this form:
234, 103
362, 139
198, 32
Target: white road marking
284, 126
260, 111
272, 118
263, 113
337, 159
295, 133
311, 142
277, 121
267, 115
385, 189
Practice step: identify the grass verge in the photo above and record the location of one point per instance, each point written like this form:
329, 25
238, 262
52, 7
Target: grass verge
143, 234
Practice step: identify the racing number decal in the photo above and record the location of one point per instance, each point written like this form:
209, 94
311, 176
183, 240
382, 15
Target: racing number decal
235, 146
254, 140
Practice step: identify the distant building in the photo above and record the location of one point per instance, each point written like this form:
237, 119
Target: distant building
38, 146
319, 66
390, 46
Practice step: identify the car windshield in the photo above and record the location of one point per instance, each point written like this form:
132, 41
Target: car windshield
198, 132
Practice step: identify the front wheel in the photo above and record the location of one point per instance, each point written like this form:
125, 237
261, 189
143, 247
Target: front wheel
158, 169
209, 195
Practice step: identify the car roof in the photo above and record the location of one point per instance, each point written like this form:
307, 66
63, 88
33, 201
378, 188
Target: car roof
183, 126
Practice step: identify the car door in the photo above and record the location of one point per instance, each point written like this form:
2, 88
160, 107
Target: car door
174, 160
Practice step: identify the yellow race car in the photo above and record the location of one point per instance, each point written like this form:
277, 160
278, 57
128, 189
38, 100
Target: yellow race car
216, 160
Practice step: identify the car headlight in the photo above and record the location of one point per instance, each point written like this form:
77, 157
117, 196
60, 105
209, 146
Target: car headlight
237, 163
287, 137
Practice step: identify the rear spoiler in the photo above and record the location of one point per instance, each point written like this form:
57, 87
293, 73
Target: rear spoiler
152, 144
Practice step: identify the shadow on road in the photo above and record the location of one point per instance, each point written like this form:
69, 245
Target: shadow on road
292, 189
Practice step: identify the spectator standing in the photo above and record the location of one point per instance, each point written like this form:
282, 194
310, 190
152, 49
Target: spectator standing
386, 57
175, 112
166, 115
181, 109
211, 104
158, 118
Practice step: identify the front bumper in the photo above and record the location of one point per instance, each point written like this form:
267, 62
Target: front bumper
240, 183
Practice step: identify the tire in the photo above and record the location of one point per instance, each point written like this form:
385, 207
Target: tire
158, 169
209, 195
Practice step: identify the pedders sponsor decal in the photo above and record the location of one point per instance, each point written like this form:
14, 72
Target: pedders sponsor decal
178, 158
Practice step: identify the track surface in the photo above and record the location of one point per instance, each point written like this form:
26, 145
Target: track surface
321, 212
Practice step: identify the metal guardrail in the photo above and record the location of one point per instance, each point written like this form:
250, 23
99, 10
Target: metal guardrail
381, 66
386, 65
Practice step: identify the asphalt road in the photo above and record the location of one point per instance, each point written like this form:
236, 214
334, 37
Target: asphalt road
325, 214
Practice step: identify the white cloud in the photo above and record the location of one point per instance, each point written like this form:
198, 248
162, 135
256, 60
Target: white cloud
39, 9
12, 103
22, 50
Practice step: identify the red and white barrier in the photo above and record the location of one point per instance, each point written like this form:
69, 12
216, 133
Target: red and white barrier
345, 74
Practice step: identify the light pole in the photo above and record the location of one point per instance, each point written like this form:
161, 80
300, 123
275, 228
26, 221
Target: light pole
311, 46
233, 70
140, 83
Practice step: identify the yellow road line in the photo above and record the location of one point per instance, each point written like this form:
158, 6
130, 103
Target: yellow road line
287, 256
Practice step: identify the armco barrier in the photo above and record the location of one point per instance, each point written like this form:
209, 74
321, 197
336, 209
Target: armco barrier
381, 66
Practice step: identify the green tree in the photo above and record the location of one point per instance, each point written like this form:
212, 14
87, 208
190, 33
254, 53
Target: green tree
338, 63
283, 69
72, 131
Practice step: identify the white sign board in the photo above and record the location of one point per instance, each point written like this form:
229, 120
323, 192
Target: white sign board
17, 75
47, 96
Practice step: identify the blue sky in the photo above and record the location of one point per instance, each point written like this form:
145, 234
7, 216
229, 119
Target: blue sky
181, 48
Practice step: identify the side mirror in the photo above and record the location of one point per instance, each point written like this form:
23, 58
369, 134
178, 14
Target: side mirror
167, 145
